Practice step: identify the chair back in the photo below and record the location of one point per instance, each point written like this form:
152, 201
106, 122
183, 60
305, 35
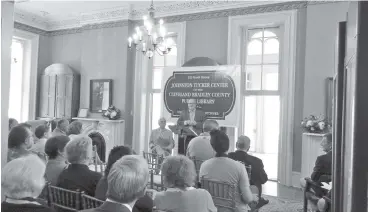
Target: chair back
153, 160
223, 194
156, 181
248, 168
98, 164
64, 199
90, 202
197, 164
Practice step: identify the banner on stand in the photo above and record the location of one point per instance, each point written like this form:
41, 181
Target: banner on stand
216, 90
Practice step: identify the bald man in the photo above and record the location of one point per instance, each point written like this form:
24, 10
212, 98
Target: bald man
190, 120
200, 147
258, 176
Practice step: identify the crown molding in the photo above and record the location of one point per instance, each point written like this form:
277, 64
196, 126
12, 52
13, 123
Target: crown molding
130, 13
122, 16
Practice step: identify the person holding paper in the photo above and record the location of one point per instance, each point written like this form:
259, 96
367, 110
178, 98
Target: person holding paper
191, 123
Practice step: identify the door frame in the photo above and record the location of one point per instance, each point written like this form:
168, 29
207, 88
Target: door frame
288, 21
30, 66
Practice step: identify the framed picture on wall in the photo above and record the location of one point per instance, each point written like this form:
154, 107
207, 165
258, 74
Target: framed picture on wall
83, 113
100, 95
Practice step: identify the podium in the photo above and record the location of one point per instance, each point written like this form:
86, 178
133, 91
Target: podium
184, 135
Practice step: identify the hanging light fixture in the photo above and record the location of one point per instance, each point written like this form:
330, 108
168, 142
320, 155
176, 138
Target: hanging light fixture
150, 37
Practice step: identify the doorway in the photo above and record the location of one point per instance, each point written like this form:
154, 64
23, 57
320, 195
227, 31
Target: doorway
261, 120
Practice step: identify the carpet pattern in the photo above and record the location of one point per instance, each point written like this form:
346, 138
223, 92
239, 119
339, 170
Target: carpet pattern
281, 205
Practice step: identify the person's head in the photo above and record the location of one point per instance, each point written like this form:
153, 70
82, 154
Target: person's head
210, 125
74, 128
178, 172
23, 177
79, 150
115, 154
192, 104
243, 143
55, 146
128, 179
162, 122
62, 124
26, 125
42, 131
12, 123
20, 137
219, 142
326, 142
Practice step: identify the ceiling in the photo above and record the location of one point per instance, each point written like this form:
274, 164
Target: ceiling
52, 15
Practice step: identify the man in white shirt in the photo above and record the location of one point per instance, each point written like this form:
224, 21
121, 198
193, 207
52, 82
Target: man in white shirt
200, 147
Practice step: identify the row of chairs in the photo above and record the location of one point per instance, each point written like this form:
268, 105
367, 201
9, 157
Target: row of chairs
67, 200
223, 194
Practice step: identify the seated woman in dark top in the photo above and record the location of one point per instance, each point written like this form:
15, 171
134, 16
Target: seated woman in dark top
22, 182
144, 204
78, 175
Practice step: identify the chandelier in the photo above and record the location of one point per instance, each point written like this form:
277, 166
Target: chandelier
150, 37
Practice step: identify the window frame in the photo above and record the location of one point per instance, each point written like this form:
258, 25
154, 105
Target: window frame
29, 78
245, 41
288, 19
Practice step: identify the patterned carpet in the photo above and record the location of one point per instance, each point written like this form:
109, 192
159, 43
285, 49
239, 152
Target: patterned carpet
281, 205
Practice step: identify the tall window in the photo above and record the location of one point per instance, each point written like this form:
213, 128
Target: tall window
262, 95
159, 63
16, 81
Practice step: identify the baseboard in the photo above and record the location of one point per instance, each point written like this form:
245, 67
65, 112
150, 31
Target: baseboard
296, 179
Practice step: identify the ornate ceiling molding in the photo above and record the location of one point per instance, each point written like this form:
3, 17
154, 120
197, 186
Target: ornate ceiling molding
48, 23
122, 17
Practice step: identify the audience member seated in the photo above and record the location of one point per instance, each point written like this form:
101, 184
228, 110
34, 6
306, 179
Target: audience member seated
74, 128
178, 177
21, 183
77, 175
42, 133
161, 139
322, 169
20, 140
324, 162
143, 204
235, 171
12, 123
258, 175
57, 162
200, 147
61, 127
127, 181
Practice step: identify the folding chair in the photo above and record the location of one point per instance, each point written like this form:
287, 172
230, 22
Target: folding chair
223, 194
90, 202
63, 199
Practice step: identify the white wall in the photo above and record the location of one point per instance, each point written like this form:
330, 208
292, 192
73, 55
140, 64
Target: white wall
320, 38
7, 9
322, 23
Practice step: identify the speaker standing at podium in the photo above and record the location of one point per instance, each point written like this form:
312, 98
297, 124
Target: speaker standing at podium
190, 120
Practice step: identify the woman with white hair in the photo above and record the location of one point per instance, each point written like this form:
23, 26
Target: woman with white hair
22, 182
78, 175
127, 181
179, 176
